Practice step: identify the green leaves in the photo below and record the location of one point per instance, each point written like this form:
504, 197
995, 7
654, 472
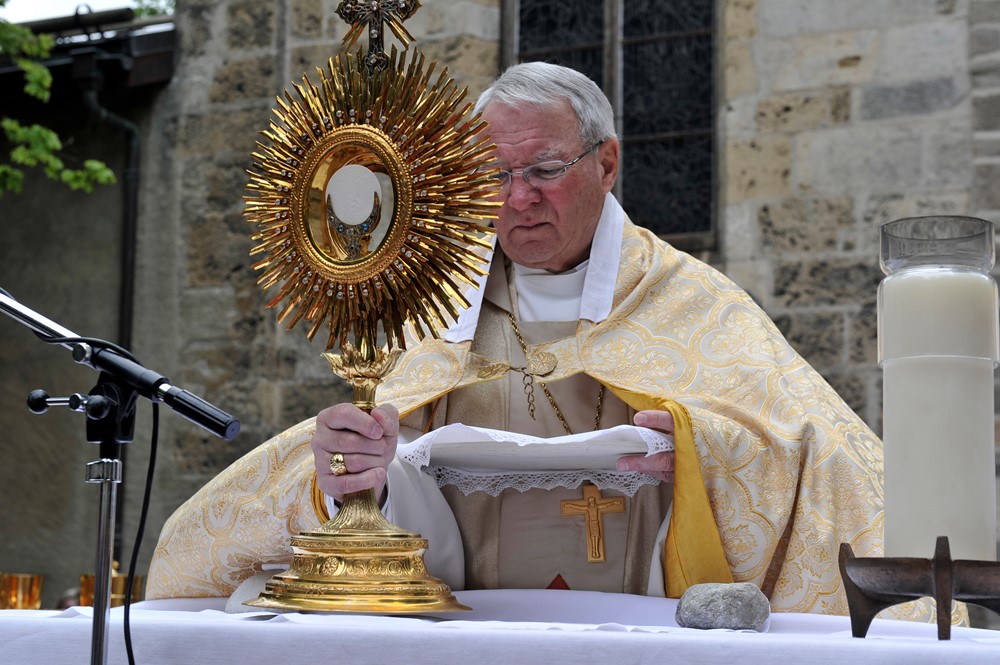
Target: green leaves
35, 146
37, 78
26, 48
154, 7
38, 146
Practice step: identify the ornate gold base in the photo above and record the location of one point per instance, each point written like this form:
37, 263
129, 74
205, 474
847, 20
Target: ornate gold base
351, 564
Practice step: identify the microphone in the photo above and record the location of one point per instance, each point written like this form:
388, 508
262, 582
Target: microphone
195, 409
157, 388
151, 385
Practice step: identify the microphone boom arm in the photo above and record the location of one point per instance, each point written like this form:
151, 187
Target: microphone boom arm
149, 384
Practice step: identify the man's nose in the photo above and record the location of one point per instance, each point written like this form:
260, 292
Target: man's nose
520, 193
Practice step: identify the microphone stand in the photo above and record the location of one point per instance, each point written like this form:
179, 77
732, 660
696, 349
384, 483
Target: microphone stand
110, 410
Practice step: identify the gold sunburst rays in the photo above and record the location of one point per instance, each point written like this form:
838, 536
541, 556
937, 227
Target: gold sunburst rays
414, 133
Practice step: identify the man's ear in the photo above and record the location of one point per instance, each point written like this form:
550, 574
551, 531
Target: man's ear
607, 153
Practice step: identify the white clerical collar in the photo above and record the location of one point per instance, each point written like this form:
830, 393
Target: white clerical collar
548, 296
605, 255
601, 274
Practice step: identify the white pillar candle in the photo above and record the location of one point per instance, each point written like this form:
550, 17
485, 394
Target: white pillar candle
938, 414
938, 338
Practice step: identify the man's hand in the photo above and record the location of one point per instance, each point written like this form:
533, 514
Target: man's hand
660, 465
367, 442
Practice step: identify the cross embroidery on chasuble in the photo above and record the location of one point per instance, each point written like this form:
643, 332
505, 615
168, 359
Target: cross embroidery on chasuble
593, 506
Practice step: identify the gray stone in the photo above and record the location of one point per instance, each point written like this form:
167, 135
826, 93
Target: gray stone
984, 39
797, 111
850, 387
741, 234
481, 60
945, 6
986, 112
987, 193
836, 160
984, 10
219, 250
739, 20
195, 25
986, 78
912, 98
216, 132
207, 314
304, 399
758, 169
737, 606
818, 337
793, 17
923, 50
838, 281
948, 152
804, 225
985, 147
817, 60
863, 347
882, 208
251, 25
307, 18
239, 80
305, 59
920, 10
986, 63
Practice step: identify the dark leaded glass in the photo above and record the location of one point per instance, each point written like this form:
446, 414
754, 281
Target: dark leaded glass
668, 86
667, 185
650, 17
552, 23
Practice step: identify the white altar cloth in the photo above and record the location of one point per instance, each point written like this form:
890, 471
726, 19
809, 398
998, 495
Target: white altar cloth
523, 627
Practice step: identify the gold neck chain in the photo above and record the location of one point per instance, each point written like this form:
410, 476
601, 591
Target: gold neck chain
529, 382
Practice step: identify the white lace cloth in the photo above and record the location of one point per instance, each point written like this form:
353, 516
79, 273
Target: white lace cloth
477, 459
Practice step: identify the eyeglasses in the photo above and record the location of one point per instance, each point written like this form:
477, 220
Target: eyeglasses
537, 175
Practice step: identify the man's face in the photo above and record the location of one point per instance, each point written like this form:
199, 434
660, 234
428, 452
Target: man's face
548, 224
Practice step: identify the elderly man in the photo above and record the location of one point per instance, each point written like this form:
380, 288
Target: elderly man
773, 470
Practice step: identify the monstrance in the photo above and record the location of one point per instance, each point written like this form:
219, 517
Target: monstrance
369, 196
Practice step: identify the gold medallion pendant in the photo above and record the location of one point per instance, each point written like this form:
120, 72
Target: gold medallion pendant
541, 363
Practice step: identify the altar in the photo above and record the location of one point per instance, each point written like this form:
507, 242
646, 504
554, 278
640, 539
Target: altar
526, 627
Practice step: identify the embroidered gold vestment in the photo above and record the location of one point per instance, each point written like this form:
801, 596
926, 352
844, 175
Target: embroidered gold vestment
773, 469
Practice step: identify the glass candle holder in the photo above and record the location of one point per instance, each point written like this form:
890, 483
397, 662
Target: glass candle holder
20, 591
938, 347
119, 582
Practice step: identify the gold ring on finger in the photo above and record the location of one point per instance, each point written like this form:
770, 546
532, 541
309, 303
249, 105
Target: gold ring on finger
337, 465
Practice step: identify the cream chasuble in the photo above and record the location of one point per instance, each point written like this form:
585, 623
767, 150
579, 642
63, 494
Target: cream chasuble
773, 470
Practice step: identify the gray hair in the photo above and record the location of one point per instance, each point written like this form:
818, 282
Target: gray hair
544, 85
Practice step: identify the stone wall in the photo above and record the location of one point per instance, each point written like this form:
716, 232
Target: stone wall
833, 118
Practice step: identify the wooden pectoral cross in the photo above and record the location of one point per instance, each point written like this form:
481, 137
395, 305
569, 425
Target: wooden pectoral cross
593, 506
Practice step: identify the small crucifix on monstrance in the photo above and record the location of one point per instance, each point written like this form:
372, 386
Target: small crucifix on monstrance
375, 14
